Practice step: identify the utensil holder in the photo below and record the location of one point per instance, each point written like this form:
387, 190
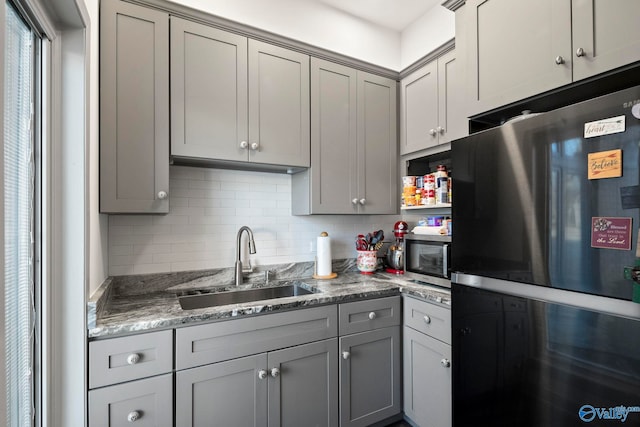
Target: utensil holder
367, 261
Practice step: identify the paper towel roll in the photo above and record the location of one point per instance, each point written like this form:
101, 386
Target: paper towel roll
323, 257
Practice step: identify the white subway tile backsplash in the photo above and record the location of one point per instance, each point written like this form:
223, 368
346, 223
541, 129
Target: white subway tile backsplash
208, 206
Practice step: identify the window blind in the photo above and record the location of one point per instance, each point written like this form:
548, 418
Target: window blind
19, 217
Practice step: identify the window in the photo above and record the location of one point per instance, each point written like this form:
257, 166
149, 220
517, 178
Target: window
20, 171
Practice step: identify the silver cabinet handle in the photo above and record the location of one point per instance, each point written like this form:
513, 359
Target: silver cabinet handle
244, 144
254, 146
440, 129
133, 358
432, 132
133, 416
275, 372
427, 319
162, 194
354, 201
262, 374
559, 60
580, 52
363, 201
445, 363
372, 315
346, 355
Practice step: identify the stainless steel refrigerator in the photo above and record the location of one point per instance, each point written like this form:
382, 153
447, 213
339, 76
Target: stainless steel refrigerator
546, 213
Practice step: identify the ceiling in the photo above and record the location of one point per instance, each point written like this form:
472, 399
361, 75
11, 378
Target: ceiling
393, 14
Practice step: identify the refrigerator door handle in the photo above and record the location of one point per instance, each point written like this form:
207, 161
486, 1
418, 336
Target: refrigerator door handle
445, 260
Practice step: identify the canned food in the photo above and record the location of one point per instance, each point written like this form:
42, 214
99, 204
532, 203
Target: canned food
409, 181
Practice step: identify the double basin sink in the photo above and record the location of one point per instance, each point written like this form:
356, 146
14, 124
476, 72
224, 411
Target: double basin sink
211, 298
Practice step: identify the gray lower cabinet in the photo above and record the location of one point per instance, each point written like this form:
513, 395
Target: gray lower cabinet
237, 99
353, 144
370, 361
134, 108
427, 363
274, 370
131, 380
430, 105
291, 387
147, 402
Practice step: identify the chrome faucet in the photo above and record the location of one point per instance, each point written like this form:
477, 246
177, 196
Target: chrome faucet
252, 250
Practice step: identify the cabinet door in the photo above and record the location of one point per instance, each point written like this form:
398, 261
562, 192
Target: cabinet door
370, 369
333, 138
209, 113
134, 109
147, 402
223, 394
607, 32
278, 105
513, 49
452, 119
303, 389
427, 380
377, 145
419, 109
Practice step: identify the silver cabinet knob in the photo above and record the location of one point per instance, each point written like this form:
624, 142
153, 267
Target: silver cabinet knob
244, 144
346, 355
363, 201
432, 132
372, 315
580, 52
445, 363
133, 358
162, 194
275, 372
427, 319
133, 416
559, 60
254, 146
262, 374
440, 129
354, 201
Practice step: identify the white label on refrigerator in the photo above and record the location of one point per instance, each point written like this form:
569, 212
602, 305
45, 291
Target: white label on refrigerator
604, 127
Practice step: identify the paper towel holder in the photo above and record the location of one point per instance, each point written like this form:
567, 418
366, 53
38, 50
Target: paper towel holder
332, 275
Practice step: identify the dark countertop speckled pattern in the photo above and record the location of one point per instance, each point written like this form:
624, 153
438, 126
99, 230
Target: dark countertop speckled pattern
131, 304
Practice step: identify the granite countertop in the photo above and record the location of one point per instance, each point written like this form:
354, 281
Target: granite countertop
126, 304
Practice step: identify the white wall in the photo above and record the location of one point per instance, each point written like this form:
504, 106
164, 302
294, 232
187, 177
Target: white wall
313, 23
207, 208
433, 29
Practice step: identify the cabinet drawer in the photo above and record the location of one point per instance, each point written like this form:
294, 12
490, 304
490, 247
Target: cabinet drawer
147, 402
117, 360
215, 342
361, 316
428, 318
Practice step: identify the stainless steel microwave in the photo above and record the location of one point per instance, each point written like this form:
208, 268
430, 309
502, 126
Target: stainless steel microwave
428, 258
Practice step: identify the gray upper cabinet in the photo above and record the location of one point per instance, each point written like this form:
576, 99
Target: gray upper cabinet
278, 105
134, 109
209, 105
518, 49
377, 145
513, 47
234, 99
430, 105
353, 144
608, 34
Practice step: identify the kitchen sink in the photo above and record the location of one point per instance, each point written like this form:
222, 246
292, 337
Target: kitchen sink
213, 299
